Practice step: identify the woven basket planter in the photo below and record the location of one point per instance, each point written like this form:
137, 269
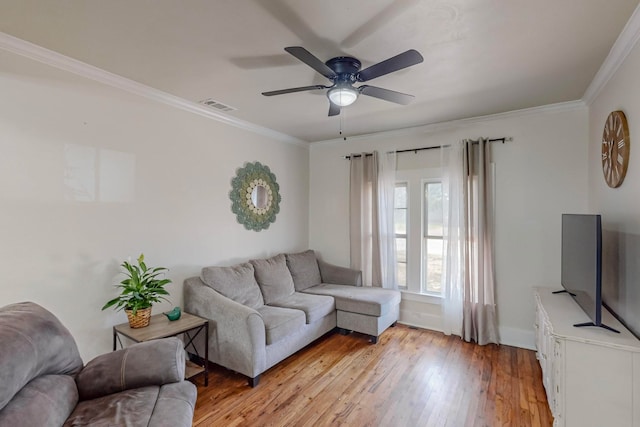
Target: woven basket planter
141, 319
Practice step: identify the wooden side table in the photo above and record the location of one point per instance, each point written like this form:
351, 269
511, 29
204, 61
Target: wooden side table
161, 327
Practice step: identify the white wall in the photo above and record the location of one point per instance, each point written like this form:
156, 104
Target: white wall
539, 175
91, 175
620, 207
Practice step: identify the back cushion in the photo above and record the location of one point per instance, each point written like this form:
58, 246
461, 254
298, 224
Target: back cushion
33, 342
273, 277
237, 283
304, 269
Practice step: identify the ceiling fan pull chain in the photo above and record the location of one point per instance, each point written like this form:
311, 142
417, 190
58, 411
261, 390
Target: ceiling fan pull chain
342, 117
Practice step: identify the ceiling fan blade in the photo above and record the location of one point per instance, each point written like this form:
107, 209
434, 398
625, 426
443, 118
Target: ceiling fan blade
375, 24
291, 20
307, 57
334, 109
386, 94
294, 89
398, 62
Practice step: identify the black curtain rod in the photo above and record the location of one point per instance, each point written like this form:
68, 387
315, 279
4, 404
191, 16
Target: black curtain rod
437, 147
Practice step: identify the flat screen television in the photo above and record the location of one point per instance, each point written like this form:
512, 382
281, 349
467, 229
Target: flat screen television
582, 264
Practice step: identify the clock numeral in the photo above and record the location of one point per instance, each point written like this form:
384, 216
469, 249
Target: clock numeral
620, 159
621, 143
605, 156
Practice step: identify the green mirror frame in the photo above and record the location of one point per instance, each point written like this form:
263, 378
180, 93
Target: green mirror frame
245, 188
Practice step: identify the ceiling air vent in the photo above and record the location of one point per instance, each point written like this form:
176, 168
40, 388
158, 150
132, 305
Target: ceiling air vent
212, 103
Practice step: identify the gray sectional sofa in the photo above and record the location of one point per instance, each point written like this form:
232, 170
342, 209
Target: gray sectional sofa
43, 381
264, 310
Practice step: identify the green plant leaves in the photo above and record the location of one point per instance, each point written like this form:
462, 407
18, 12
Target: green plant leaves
141, 288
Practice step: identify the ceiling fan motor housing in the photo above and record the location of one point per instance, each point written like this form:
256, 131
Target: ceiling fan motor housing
345, 67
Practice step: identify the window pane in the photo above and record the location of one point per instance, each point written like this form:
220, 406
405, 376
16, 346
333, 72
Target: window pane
400, 221
402, 274
401, 249
401, 261
432, 263
401, 195
433, 208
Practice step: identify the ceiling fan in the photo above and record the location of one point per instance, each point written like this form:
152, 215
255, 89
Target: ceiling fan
344, 71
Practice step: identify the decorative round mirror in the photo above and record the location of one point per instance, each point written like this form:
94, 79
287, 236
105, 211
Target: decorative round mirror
255, 197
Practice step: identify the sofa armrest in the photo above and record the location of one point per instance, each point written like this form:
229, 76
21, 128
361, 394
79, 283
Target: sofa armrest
339, 275
149, 363
237, 338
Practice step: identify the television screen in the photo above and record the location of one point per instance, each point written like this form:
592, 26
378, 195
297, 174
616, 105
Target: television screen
582, 261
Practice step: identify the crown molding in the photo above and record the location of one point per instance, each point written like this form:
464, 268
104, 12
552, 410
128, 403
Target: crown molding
460, 123
623, 45
62, 62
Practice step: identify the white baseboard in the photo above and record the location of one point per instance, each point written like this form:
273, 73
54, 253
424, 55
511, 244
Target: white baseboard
515, 337
420, 320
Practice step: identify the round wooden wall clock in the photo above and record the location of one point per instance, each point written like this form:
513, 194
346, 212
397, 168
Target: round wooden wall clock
615, 149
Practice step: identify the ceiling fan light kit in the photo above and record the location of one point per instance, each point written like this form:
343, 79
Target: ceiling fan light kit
342, 96
344, 71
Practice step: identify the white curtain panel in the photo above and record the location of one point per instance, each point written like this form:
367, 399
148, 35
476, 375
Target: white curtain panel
364, 231
469, 305
454, 220
386, 195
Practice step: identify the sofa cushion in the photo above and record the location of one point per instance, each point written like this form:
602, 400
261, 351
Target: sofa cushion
273, 277
236, 282
34, 343
131, 408
304, 269
364, 300
280, 322
175, 405
315, 307
46, 401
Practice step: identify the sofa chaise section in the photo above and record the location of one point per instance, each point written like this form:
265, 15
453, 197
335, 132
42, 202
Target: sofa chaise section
364, 309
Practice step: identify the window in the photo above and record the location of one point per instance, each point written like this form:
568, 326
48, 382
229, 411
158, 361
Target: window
400, 229
432, 242
418, 222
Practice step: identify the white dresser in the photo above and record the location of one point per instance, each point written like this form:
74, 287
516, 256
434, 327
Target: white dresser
591, 375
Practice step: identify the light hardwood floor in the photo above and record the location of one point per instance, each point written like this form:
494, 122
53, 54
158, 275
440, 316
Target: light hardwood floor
412, 377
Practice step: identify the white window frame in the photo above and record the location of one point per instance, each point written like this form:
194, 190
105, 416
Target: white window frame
406, 235
424, 237
415, 179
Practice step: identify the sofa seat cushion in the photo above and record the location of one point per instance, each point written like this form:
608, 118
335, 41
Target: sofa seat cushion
273, 277
280, 322
47, 400
315, 307
364, 300
304, 269
237, 282
131, 408
175, 406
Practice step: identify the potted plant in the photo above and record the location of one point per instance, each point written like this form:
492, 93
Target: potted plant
142, 287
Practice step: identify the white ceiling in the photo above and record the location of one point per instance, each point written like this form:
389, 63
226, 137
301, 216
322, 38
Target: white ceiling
481, 56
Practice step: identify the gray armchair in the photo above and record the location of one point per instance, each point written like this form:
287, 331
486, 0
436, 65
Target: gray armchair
44, 382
